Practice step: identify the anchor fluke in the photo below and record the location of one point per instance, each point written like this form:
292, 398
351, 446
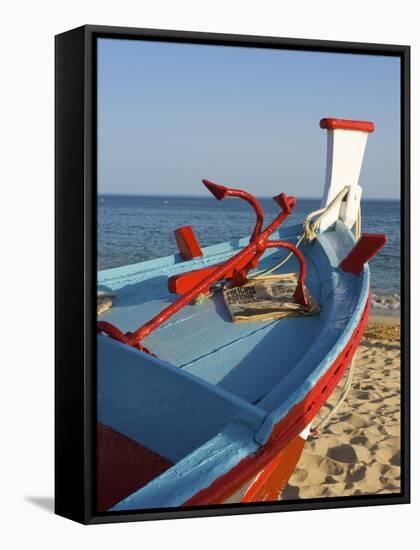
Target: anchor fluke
286, 203
218, 191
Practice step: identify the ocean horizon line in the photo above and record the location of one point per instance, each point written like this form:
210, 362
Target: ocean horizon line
210, 197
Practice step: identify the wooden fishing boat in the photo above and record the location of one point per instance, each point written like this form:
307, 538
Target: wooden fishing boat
194, 409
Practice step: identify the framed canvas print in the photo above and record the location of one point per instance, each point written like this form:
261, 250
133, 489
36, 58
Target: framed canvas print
218, 351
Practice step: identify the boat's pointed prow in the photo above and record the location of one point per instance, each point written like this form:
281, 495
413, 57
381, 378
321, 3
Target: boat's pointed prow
346, 142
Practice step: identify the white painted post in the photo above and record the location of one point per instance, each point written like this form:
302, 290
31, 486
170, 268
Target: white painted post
346, 142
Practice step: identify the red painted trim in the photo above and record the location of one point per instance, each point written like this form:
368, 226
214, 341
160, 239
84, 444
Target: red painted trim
187, 243
341, 124
123, 466
364, 250
287, 429
274, 477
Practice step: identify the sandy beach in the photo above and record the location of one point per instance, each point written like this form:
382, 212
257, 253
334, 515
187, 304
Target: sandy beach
358, 451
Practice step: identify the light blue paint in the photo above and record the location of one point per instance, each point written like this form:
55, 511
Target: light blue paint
195, 472
343, 313
198, 337
244, 353
119, 277
162, 407
212, 374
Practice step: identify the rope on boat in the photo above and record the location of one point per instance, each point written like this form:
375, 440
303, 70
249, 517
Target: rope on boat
310, 230
265, 272
315, 432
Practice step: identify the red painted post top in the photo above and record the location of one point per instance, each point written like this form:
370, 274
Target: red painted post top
187, 243
341, 124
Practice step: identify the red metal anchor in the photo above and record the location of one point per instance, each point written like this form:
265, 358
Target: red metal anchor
182, 283
221, 192
236, 268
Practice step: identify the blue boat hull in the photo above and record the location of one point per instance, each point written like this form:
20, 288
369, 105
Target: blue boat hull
217, 391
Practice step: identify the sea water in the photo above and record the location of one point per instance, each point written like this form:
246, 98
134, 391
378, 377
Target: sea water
132, 229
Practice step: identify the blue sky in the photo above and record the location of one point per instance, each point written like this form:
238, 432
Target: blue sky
171, 114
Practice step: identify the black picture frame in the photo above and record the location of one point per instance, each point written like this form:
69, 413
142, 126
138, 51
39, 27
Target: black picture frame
75, 270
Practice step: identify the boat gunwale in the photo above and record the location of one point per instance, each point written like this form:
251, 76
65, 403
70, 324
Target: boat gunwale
277, 414
147, 268
248, 467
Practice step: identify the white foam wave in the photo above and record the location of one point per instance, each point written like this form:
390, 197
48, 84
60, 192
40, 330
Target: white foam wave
386, 301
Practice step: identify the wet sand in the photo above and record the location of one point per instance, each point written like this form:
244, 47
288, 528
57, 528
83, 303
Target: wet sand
358, 451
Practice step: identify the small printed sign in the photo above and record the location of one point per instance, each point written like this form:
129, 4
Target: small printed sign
265, 298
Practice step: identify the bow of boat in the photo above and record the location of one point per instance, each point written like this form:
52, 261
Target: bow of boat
219, 400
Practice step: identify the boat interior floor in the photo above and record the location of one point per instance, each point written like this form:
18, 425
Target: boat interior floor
246, 359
